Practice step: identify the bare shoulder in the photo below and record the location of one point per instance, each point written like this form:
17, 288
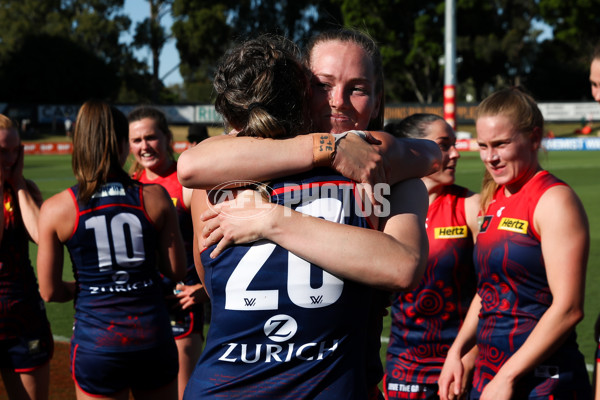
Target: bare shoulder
59, 214
59, 203
472, 203
559, 205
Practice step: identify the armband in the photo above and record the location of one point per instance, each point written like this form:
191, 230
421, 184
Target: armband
323, 149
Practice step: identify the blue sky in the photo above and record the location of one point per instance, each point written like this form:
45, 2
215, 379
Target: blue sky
138, 10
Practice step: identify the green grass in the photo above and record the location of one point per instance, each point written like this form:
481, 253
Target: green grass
53, 173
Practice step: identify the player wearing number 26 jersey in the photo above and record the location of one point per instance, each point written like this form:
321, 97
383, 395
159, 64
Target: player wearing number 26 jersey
281, 327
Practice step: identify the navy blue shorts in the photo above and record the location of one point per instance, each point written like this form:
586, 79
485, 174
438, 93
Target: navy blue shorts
28, 352
98, 373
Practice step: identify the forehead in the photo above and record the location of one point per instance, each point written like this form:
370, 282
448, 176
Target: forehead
335, 57
144, 126
494, 127
439, 130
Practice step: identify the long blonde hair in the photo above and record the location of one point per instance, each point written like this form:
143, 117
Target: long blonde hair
521, 109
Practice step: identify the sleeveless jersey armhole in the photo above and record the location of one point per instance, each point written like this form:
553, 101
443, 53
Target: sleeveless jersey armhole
143, 205
76, 204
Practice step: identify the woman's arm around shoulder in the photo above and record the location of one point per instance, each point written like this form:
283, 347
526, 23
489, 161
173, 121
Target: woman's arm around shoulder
160, 209
56, 223
220, 159
407, 158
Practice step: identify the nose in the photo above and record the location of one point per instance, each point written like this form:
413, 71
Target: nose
336, 97
596, 93
490, 155
453, 153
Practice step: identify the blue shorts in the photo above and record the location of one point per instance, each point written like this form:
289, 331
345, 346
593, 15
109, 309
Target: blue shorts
98, 373
28, 352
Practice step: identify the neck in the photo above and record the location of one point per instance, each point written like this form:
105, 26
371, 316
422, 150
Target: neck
433, 189
514, 187
159, 171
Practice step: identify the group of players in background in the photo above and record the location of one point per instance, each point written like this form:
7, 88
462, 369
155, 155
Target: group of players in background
301, 241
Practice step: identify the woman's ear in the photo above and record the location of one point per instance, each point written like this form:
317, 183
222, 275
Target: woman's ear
536, 138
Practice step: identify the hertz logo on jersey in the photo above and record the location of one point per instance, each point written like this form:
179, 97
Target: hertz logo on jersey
513, 225
451, 232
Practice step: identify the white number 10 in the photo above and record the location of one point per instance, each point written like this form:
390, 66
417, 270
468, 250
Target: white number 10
121, 242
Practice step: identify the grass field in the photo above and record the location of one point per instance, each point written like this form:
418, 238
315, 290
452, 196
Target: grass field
53, 173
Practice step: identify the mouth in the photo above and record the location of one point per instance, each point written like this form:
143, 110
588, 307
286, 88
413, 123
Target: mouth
496, 169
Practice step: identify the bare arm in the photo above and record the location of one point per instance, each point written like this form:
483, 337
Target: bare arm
393, 258
172, 260
56, 222
228, 158
565, 253
28, 196
472, 207
407, 158
199, 204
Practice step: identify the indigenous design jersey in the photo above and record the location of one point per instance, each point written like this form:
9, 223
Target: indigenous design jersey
22, 310
194, 317
514, 294
426, 320
283, 328
119, 304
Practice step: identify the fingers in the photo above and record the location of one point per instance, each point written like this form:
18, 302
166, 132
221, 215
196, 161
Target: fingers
210, 213
222, 245
213, 237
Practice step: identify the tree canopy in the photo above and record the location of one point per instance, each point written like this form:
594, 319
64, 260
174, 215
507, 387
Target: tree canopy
68, 51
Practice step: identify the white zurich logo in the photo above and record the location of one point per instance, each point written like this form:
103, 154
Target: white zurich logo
280, 328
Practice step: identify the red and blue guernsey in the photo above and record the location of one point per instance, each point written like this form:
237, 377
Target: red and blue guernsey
514, 293
281, 327
22, 312
425, 321
119, 303
189, 320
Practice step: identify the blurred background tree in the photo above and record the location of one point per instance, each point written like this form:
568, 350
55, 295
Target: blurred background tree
70, 50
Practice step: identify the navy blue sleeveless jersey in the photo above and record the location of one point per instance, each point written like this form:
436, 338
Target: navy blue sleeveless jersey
515, 294
282, 327
119, 304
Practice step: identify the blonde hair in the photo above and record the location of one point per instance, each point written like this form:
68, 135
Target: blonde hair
6, 123
521, 109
